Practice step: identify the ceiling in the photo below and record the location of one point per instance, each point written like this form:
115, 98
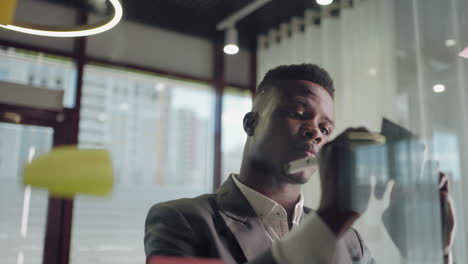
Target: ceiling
199, 17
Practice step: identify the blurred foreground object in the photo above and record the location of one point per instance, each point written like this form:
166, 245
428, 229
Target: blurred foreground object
357, 138
414, 196
182, 260
67, 171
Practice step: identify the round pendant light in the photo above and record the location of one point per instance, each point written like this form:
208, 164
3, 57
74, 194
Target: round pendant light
74, 31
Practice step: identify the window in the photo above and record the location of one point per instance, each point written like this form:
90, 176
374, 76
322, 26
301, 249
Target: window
236, 103
24, 209
160, 135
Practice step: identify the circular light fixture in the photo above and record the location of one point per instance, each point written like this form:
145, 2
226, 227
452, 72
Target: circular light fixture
231, 49
68, 32
324, 2
438, 88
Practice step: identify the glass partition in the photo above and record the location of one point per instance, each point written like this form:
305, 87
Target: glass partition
394, 59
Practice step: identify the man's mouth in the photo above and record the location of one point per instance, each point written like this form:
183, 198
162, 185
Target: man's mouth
307, 149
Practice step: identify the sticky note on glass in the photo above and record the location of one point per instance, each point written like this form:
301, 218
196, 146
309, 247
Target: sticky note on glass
464, 53
67, 171
7, 11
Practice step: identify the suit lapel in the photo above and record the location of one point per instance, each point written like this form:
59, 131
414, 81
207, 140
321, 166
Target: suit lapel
244, 224
242, 220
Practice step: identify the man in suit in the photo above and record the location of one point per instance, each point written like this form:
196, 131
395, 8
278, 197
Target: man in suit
250, 217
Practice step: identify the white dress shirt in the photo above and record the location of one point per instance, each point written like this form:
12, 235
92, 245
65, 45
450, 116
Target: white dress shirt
295, 247
273, 216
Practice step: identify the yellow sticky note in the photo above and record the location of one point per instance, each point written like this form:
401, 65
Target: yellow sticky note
67, 171
7, 11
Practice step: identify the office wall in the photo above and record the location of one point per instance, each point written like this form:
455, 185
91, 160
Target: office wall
40, 12
132, 43
153, 47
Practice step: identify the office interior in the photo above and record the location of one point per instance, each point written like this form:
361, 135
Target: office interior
158, 92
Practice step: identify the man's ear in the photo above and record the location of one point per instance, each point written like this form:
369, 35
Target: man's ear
250, 122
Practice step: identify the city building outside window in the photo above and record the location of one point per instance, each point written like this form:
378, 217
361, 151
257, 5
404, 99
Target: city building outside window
159, 132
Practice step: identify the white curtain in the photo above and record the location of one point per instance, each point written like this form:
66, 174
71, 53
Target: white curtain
386, 56
354, 47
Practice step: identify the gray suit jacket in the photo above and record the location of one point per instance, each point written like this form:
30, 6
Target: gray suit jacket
224, 225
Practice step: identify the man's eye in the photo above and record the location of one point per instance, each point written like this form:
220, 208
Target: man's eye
325, 131
295, 115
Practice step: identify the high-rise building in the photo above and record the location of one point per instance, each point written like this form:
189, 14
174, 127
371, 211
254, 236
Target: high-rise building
125, 113
189, 150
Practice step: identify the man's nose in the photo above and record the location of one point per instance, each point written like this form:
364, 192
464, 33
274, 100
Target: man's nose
312, 133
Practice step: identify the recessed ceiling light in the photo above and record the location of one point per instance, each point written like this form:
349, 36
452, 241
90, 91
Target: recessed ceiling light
231, 46
438, 88
231, 49
324, 2
450, 42
76, 31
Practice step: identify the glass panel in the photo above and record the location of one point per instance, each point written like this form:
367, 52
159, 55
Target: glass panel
236, 103
160, 135
396, 59
39, 70
24, 210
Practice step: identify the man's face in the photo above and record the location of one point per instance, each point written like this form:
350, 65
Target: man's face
295, 122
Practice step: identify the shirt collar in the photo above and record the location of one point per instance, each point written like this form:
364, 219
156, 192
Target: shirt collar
263, 205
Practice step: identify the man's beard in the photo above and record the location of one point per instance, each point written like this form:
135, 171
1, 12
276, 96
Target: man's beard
263, 166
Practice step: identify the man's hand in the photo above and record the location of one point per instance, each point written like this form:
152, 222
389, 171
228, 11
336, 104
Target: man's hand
448, 215
412, 241
346, 189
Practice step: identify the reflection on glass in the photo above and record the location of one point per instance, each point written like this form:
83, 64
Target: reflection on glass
159, 132
394, 59
39, 70
236, 103
24, 210
446, 150
412, 218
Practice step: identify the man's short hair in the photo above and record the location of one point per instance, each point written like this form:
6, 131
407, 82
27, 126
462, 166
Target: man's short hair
308, 72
